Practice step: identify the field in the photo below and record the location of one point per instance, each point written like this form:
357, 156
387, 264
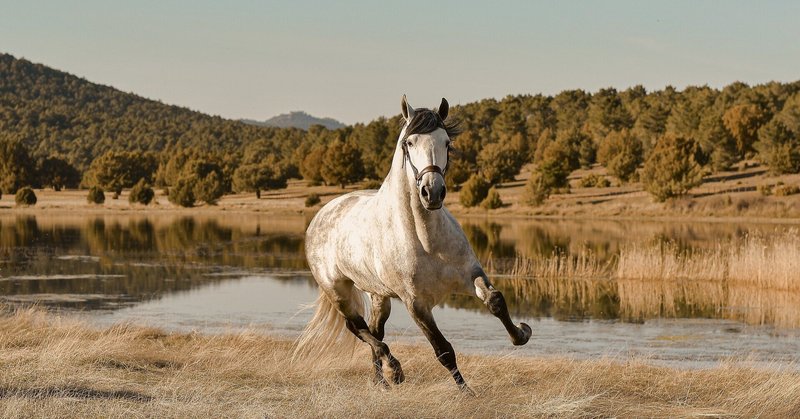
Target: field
49, 365
733, 195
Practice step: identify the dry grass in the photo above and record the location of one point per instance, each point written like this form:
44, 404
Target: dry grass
51, 367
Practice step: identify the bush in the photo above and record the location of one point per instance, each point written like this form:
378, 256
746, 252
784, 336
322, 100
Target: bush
671, 170
474, 191
141, 193
594, 181
492, 200
621, 153
311, 200
182, 193
25, 197
209, 189
96, 195
786, 190
765, 189
536, 191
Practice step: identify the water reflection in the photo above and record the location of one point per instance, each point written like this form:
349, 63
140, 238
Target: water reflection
116, 261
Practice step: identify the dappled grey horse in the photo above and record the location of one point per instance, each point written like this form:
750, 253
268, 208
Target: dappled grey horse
398, 241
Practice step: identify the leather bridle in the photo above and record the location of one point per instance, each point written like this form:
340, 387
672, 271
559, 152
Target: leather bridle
430, 169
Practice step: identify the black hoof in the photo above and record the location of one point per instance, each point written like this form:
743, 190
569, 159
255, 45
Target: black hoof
523, 336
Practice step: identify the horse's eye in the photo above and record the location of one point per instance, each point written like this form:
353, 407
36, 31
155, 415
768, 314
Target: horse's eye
408, 143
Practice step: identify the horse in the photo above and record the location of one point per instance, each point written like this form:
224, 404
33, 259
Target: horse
397, 242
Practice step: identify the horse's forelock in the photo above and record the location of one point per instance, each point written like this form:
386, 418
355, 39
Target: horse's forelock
426, 121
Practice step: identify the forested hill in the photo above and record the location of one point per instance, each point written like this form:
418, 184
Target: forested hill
57, 114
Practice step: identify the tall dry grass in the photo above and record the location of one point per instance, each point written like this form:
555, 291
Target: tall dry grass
755, 279
52, 367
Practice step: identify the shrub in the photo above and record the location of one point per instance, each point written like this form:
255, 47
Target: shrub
779, 148
536, 191
765, 189
621, 154
209, 189
492, 199
141, 193
25, 197
786, 190
594, 181
96, 195
182, 193
672, 169
311, 200
474, 191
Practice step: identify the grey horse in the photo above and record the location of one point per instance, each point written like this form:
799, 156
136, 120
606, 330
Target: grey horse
397, 242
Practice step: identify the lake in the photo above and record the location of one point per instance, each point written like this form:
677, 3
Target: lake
225, 272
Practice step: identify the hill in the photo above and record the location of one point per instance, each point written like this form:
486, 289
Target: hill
297, 119
56, 113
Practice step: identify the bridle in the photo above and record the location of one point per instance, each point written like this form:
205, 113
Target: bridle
418, 174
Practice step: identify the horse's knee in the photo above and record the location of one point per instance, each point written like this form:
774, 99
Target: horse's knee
496, 304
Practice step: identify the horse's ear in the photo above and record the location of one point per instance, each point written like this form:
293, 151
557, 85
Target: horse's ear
408, 111
444, 108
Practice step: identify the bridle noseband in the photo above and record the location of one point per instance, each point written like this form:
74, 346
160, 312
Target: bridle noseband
430, 169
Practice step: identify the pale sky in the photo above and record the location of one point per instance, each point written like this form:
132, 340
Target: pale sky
352, 60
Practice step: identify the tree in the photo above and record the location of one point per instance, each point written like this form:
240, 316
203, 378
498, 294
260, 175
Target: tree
209, 188
671, 170
743, 122
536, 191
57, 173
255, 177
116, 170
492, 200
500, 162
96, 195
141, 193
621, 154
607, 113
473, 191
17, 168
182, 193
779, 148
558, 161
342, 164
311, 166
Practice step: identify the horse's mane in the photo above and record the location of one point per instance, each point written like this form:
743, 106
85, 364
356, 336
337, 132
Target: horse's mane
427, 120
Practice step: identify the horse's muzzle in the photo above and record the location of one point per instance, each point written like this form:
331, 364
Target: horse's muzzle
432, 196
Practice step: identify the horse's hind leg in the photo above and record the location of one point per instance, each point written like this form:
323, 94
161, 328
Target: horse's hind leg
496, 304
358, 326
421, 313
381, 308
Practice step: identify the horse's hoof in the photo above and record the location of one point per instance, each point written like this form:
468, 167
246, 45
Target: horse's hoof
397, 371
526, 334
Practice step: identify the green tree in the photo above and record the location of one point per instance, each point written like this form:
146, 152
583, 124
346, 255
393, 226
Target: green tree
57, 173
342, 164
141, 193
743, 122
182, 193
257, 177
311, 166
17, 168
607, 113
116, 170
96, 195
209, 188
621, 153
672, 169
492, 200
536, 189
778, 147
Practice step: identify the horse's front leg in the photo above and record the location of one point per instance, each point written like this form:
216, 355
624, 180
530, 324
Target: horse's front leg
421, 313
497, 305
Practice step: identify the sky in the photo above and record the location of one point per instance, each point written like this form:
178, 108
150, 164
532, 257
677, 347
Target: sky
353, 60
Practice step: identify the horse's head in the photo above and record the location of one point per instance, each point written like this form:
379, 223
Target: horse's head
426, 145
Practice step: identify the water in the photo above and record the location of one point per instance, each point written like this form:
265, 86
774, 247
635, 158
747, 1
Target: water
222, 273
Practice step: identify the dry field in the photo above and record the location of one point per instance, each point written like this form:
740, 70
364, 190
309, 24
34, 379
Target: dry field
53, 367
730, 195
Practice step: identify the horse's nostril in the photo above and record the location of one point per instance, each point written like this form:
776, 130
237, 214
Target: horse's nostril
444, 193
425, 192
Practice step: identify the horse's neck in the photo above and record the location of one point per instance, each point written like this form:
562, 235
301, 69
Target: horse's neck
401, 201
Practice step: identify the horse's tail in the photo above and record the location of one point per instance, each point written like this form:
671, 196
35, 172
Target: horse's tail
326, 334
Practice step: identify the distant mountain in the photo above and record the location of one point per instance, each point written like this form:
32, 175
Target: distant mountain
297, 119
